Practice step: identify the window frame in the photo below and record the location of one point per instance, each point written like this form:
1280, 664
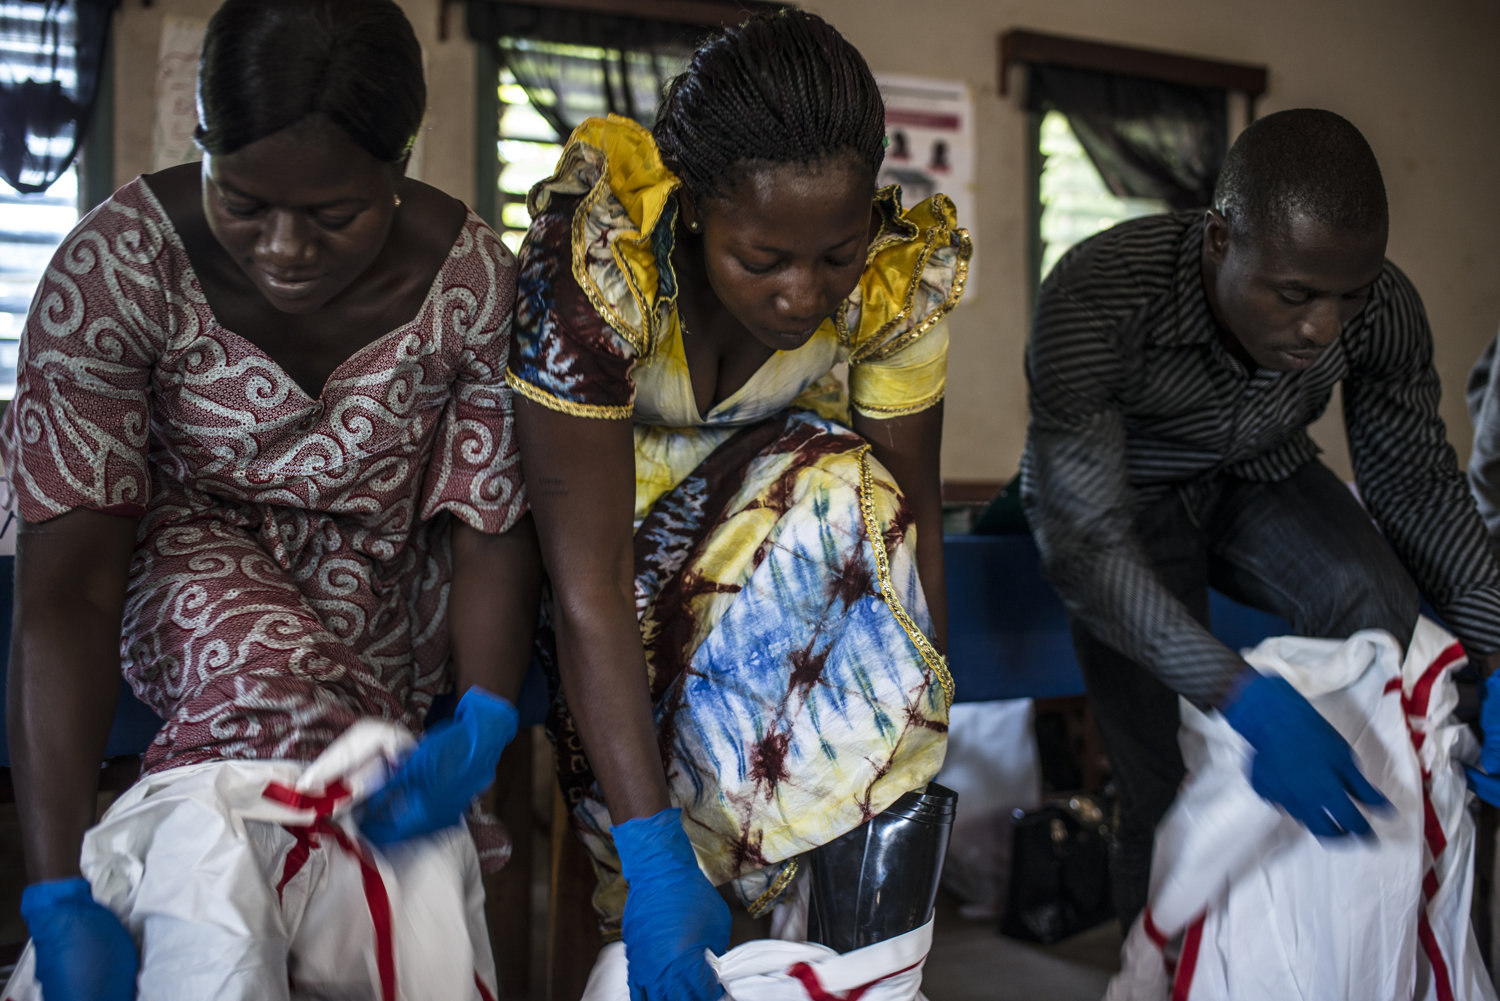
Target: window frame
1021, 45
94, 161
487, 134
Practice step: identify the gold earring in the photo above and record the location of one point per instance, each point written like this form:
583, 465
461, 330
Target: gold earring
398, 201
695, 226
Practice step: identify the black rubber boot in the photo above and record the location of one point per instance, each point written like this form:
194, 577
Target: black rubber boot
880, 880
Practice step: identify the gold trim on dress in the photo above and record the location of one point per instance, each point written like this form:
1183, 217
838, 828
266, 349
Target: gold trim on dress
572, 408
638, 339
894, 226
763, 903
935, 661
628, 164
938, 237
885, 413
960, 276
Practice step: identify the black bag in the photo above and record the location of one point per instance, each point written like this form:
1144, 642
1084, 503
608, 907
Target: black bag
1059, 877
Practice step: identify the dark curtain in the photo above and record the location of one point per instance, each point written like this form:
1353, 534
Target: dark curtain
573, 65
51, 54
1147, 139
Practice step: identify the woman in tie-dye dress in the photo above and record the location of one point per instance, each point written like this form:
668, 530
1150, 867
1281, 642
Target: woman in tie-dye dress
732, 549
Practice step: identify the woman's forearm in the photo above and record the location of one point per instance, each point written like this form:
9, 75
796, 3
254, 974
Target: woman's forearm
58, 714
909, 448
930, 569
492, 606
580, 479
64, 678
603, 669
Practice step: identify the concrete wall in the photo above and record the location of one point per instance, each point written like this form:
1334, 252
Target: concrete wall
1418, 79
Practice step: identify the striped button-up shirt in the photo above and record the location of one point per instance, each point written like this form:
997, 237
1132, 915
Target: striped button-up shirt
1132, 391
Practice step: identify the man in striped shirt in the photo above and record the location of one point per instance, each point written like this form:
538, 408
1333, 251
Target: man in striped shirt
1483, 393
1175, 363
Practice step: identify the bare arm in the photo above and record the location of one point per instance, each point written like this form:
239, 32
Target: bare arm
909, 448
64, 677
492, 606
580, 476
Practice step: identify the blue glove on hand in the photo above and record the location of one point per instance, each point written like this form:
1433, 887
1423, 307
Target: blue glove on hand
1301, 763
1485, 780
83, 952
672, 912
451, 765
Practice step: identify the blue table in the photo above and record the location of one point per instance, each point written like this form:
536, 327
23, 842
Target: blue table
1007, 631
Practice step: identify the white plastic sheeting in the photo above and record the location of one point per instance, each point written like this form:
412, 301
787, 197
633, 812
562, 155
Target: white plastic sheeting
1245, 903
249, 880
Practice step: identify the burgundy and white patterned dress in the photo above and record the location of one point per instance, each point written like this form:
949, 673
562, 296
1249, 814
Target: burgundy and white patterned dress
292, 564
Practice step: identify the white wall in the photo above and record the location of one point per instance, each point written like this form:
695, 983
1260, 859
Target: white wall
1420, 80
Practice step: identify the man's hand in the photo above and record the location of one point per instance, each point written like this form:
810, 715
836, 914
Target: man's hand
1486, 664
1301, 762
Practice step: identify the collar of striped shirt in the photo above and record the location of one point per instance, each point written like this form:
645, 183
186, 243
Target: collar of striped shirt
1195, 320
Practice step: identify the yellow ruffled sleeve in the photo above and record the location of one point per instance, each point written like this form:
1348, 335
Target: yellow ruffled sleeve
893, 325
625, 208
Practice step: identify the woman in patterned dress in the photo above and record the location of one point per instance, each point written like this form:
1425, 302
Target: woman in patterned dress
749, 662
262, 454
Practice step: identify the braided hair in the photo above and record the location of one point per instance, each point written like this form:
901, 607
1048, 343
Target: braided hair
783, 87
267, 64
1304, 162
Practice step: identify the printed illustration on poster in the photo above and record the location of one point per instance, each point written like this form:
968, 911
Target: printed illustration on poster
930, 144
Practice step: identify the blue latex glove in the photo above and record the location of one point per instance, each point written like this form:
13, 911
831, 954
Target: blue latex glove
83, 952
1485, 780
1301, 762
451, 765
672, 912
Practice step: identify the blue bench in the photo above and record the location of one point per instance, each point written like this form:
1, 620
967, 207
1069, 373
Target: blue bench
1008, 634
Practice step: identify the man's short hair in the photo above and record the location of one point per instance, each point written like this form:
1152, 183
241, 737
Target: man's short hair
1304, 162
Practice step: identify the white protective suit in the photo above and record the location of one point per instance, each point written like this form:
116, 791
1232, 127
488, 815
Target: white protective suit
1245, 903
249, 880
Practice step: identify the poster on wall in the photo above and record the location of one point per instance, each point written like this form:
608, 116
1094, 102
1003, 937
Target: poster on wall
929, 126
176, 85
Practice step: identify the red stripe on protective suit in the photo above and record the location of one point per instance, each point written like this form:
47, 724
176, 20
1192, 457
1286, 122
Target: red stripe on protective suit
808, 978
1188, 962
376, 898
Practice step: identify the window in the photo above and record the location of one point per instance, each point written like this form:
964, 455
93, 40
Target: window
32, 228
51, 65
543, 90
544, 66
1119, 132
525, 152
1073, 201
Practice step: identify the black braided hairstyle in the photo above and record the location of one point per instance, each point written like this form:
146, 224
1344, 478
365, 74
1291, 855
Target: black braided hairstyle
267, 64
783, 87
